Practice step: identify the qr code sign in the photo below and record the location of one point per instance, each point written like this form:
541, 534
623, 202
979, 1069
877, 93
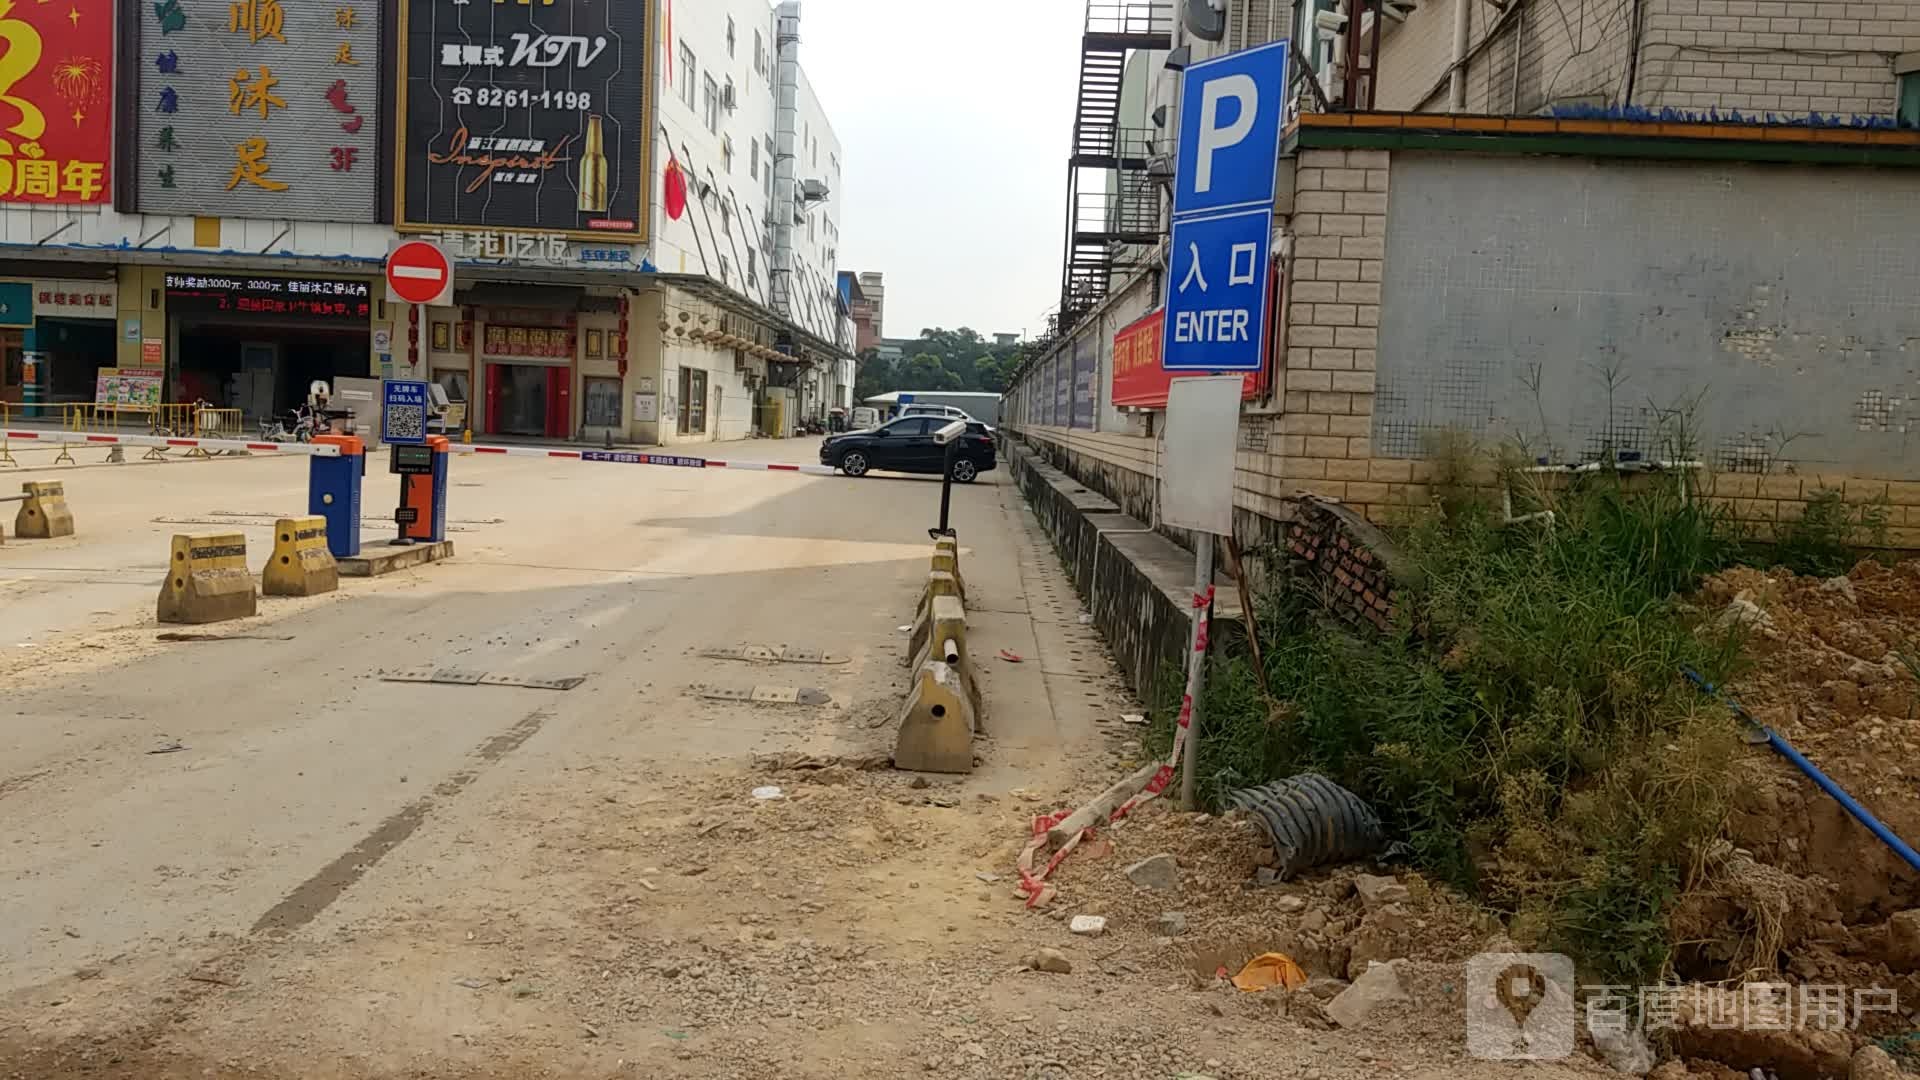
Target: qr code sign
406, 422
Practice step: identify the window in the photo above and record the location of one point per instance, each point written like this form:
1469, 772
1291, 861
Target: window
686, 74
693, 400
726, 268
912, 425
759, 54
1909, 107
730, 99
710, 103
753, 159
730, 37
726, 218
726, 154
751, 265
815, 151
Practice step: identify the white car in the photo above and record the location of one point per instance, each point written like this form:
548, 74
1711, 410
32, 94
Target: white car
947, 411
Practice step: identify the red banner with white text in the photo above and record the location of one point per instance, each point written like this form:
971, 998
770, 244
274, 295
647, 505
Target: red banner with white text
1138, 378
56, 101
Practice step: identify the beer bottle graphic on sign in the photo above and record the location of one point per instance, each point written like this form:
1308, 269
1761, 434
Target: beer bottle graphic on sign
593, 170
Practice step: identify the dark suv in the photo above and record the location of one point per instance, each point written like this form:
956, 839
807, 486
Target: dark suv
906, 445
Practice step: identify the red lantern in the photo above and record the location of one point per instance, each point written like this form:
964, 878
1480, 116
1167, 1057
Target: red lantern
676, 190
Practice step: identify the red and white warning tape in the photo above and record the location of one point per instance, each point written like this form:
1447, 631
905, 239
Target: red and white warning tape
630, 457
1034, 883
77, 438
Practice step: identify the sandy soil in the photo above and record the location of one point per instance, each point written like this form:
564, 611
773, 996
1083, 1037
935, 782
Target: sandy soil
339, 877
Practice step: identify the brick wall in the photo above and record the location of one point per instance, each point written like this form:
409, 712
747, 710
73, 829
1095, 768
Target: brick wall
1320, 443
1757, 56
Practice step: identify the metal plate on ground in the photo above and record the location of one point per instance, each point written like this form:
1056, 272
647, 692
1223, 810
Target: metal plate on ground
765, 695
772, 654
462, 677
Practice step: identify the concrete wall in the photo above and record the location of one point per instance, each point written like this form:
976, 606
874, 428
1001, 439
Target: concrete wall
1135, 583
1777, 297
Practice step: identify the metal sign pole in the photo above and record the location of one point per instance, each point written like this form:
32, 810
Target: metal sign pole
1196, 664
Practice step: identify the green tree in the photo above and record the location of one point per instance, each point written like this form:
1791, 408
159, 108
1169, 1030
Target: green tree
929, 372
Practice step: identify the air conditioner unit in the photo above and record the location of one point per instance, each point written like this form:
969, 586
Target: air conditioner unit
729, 99
813, 190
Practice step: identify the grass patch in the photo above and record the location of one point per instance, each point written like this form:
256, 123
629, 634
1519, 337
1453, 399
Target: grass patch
1826, 539
1524, 728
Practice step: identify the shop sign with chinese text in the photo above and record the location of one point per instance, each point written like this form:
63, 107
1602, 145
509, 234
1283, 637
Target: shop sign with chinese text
526, 117
240, 294
62, 299
260, 108
56, 102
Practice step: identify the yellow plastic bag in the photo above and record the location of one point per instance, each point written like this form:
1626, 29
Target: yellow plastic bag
1269, 970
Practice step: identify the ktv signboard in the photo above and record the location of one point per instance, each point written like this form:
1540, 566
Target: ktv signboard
526, 117
56, 102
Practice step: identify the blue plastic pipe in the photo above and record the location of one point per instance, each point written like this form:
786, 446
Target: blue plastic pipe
1786, 750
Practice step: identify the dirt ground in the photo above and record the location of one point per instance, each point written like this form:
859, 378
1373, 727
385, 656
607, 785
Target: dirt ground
343, 879
1828, 674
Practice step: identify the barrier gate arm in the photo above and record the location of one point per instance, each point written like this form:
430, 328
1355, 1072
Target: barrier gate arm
69, 438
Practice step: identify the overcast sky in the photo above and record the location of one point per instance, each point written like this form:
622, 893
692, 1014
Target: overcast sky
955, 120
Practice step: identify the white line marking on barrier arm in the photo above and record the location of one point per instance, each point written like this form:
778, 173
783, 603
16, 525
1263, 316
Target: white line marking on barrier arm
80, 438
627, 457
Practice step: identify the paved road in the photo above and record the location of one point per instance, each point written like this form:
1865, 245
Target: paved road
298, 769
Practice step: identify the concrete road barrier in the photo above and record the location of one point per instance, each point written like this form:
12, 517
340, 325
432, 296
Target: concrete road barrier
300, 564
946, 558
43, 512
207, 580
943, 708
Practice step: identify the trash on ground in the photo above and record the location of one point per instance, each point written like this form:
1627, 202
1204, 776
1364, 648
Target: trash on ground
1269, 970
1085, 618
170, 748
460, 677
770, 792
1010, 656
907, 629
1088, 925
1133, 718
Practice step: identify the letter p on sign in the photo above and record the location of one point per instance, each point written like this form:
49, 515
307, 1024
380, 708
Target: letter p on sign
1214, 136
1232, 109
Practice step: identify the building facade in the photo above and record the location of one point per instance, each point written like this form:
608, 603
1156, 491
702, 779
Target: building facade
869, 292
197, 205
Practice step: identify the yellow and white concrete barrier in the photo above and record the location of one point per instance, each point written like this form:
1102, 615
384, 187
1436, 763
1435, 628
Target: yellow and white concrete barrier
207, 580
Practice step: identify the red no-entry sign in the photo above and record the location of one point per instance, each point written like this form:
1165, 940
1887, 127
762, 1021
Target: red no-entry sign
419, 273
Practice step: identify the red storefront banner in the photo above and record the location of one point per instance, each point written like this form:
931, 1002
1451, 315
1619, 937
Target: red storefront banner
56, 101
1138, 378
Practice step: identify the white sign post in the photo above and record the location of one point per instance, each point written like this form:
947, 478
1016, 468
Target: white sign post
1196, 492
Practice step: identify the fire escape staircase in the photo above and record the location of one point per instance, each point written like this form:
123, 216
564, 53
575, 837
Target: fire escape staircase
1112, 206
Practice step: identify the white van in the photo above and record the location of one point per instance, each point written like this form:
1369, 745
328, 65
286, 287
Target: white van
865, 418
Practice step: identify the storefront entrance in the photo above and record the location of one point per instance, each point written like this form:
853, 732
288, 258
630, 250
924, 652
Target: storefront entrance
74, 351
529, 399
13, 366
255, 344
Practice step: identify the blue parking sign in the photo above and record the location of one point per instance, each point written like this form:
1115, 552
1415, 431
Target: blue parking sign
1231, 110
403, 415
1217, 273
